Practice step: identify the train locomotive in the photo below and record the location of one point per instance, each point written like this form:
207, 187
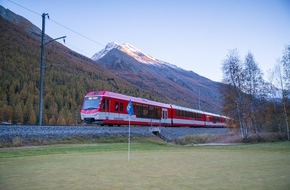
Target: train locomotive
109, 108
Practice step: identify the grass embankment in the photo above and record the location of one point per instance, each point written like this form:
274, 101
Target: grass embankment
186, 140
78, 139
152, 166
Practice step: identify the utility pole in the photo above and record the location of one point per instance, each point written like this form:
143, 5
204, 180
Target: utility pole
43, 43
113, 83
41, 69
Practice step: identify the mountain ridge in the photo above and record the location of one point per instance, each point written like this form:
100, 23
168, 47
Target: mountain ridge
178, 84
128, 49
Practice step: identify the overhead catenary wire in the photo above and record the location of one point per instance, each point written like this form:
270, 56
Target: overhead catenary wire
61, 25
78, 33
24, 7
76, 48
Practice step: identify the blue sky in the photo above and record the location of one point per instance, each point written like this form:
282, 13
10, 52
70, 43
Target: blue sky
194, 35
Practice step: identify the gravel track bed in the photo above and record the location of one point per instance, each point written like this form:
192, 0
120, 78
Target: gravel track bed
9, 132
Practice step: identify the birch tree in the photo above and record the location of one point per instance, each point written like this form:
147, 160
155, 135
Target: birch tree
253, 86
284, 79
286, 67
279, 81
233, 75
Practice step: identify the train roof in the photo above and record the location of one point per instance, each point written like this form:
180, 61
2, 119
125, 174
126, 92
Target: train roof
197, 111
127, 98
186, 109
150, 102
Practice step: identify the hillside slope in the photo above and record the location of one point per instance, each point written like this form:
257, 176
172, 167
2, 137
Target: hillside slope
68, 76
174, 84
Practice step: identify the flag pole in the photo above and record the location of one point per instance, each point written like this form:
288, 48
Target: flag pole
130, 111
129, 140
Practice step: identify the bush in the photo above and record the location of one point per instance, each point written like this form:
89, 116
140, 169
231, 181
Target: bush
266, 137
205, 138
17, 141
196, 139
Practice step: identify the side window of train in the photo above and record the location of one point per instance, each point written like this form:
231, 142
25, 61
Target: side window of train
121, 107
116, 106
103, 104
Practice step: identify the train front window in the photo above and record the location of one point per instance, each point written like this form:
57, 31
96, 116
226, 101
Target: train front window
91, 102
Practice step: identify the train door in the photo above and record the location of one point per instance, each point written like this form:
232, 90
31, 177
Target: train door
106, 107
207, 120
118, 110
164, 116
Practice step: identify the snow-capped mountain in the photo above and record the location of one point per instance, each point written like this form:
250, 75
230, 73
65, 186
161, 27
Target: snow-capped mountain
149, 73
129, 50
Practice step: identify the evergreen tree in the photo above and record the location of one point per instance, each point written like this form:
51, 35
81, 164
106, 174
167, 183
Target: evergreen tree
52, 121
18, 114
60, 120
32, 117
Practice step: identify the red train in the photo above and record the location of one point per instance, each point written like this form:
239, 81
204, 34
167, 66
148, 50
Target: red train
108, 108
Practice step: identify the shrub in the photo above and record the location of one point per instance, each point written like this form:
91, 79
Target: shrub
266, 137
17, 141
196, 139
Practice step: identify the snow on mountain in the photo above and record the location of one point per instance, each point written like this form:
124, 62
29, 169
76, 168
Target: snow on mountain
129, 50
103, 52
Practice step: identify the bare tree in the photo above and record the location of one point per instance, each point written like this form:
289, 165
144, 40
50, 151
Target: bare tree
286, 66
233, 75
279, 81
253, 86
286, 90
273, 107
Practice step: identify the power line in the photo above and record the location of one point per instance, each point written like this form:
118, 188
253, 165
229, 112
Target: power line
24, 7
61, 25
73, 48
88, 38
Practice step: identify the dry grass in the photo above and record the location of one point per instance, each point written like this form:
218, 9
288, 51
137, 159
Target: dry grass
230, 138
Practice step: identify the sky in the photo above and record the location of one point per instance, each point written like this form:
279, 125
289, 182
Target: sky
195, 35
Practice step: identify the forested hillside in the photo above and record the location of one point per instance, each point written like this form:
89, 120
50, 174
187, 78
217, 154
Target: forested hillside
68, 77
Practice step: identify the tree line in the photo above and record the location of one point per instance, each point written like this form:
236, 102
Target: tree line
254, 104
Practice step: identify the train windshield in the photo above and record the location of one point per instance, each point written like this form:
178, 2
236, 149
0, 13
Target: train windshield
91, 102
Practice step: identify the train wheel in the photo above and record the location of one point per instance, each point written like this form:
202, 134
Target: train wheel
88, 121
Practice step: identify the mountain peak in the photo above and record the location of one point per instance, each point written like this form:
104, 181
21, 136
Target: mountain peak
103, 52
129, 50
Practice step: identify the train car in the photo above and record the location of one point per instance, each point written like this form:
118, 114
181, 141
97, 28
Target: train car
182, 116
215, 120
108, 108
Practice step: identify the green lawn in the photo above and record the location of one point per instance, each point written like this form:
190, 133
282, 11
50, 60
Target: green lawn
152, 166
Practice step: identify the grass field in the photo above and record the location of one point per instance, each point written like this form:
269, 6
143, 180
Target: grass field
152, 166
